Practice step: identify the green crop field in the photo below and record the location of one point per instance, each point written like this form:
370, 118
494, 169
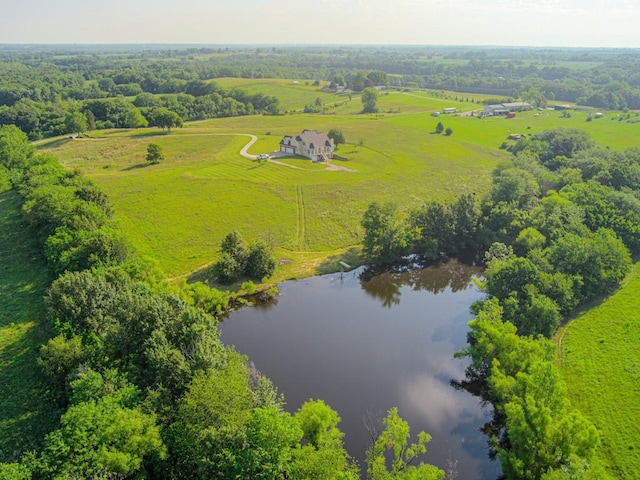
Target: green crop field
600, 363
178, 211
23, 419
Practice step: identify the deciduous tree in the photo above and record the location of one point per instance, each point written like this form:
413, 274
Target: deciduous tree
395, 437
337, 136
154, 153
370, 100
385, 238
75, 122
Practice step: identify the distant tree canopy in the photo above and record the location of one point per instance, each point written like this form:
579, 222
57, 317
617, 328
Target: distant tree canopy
369, 100
38, 89
165, 118
75, 122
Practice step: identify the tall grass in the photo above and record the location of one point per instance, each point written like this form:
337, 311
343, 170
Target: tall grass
600, 363
24, 415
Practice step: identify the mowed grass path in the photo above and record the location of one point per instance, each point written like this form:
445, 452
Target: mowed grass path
600, 363
24, 417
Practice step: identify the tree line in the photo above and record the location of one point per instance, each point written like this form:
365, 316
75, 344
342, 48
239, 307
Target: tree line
45, 107
136, 369
39, 89
557, 230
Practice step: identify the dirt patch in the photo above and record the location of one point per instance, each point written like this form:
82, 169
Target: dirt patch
339, 168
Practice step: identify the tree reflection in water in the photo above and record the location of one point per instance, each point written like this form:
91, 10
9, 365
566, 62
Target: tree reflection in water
387, 286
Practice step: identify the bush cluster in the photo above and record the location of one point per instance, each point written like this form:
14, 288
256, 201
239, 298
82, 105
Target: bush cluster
238, 259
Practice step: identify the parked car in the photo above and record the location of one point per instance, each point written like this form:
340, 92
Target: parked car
263, 156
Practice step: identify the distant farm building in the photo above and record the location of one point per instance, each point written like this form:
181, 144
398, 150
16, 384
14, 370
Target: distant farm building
312, 144
494, 110
505, 108
517, 106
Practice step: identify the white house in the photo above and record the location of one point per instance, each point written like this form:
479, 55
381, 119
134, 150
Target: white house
311, 144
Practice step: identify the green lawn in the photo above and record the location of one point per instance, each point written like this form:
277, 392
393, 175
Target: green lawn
178, 211
24, 415
600, 363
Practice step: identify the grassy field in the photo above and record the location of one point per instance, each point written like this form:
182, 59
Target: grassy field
23, 418
178, 211
600, 363
293, 94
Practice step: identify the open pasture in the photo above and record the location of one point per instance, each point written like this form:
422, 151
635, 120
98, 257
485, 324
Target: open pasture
179, 210
293, 94
23, 281
600, 363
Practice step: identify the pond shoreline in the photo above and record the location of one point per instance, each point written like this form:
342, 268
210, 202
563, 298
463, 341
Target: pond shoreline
366, 343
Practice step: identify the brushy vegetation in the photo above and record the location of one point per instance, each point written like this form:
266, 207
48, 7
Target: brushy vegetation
600, 363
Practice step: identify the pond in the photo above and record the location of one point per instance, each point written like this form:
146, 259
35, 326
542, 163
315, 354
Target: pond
366, 345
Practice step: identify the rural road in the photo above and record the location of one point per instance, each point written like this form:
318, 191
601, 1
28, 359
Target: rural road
253, 140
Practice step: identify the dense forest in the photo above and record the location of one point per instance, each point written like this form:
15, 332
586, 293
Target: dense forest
557, 230
42, 91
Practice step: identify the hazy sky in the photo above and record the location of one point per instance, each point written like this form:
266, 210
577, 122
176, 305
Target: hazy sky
596, 23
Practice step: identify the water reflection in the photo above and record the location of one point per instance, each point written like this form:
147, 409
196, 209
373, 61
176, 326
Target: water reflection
368, 343
386, 286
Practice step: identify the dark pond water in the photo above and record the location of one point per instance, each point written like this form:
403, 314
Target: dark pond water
366, 346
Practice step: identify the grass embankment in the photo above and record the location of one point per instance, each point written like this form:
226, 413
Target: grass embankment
24, 419
600, 363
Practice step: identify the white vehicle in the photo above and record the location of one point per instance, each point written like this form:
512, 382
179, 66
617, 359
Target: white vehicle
263, 156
